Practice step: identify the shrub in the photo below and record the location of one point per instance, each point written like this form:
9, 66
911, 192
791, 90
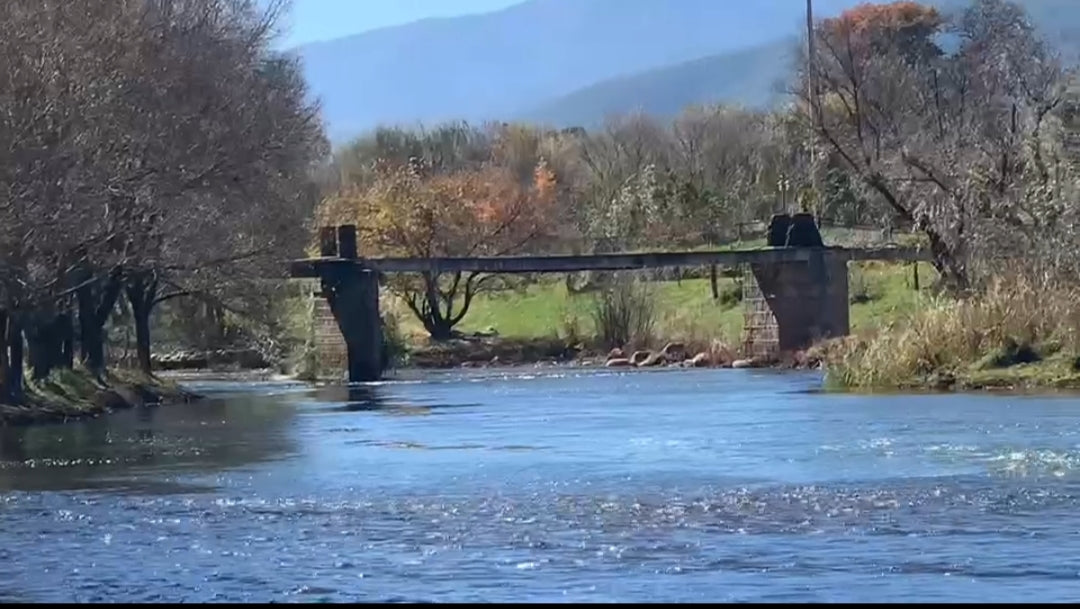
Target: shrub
1014, 320
395, 347
860, 289
624, 312
731, 292
570, 328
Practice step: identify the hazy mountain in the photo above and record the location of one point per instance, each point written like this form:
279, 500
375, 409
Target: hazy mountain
570, 62
500, 64
752, 77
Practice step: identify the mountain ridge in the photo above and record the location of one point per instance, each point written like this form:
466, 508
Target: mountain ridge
496, 65
569, 62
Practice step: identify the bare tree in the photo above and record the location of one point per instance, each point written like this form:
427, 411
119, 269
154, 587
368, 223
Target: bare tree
149, 143
621, 163
230, 193
944, 138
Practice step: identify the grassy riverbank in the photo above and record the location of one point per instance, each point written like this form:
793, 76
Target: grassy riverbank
75, 394
1016, 335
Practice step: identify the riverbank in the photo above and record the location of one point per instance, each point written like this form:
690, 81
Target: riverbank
68, 395
484, 352
1016, 335
1013, 336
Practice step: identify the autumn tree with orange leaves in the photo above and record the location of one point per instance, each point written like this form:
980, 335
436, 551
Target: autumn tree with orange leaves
408, 210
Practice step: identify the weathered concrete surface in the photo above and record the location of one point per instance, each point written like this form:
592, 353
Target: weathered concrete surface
802, 302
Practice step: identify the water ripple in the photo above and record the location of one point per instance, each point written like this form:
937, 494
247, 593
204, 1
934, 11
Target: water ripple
548, 486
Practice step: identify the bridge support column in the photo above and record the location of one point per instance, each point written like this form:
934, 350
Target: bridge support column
795, 304
354, 301
353, 295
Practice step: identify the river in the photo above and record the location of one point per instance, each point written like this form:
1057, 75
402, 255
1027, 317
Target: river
549, 485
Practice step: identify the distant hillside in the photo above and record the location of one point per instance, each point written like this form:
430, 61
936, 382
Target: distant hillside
753, 77
499, 64
574, 61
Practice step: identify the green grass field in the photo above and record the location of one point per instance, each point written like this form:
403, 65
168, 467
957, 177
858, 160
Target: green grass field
686, 310
890, 289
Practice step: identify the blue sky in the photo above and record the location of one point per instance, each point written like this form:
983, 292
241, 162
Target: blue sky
313, 20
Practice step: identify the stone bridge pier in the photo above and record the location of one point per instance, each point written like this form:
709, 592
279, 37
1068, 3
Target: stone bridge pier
352, 293
791, 305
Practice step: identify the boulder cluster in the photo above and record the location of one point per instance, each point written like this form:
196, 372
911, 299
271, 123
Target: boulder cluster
675, 355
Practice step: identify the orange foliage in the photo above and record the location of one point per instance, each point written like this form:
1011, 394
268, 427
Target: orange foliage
871, 24
485, 211
892, 16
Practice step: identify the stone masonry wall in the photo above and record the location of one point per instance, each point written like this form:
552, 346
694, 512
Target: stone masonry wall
328, 343
795, 305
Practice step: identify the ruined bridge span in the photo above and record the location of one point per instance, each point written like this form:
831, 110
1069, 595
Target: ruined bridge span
801, 290
318, 267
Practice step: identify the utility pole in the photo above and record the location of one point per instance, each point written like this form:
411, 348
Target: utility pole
811, 85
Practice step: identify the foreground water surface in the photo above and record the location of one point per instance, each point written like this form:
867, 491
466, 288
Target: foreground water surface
711, 485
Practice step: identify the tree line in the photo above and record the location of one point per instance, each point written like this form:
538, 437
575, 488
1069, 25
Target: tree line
151, 149
638, 182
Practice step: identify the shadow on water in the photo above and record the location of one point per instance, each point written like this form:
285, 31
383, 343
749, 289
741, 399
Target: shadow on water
145, 449
353, 398
373, 398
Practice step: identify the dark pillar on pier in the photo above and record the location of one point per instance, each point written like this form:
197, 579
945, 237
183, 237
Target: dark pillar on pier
347, 241
327, 241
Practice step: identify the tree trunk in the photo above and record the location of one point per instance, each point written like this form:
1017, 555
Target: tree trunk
713, 283
94, 308
14, 377
44, 346
142, 339
945, 262
5, 373
439, 328
91, 342
141, 290
437, 324
66, 335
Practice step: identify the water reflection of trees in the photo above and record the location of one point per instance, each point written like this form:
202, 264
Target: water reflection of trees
147, 444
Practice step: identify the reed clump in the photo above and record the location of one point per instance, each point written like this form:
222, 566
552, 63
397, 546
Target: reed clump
1017, 331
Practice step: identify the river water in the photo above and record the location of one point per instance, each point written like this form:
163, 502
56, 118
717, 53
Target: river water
549, 485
